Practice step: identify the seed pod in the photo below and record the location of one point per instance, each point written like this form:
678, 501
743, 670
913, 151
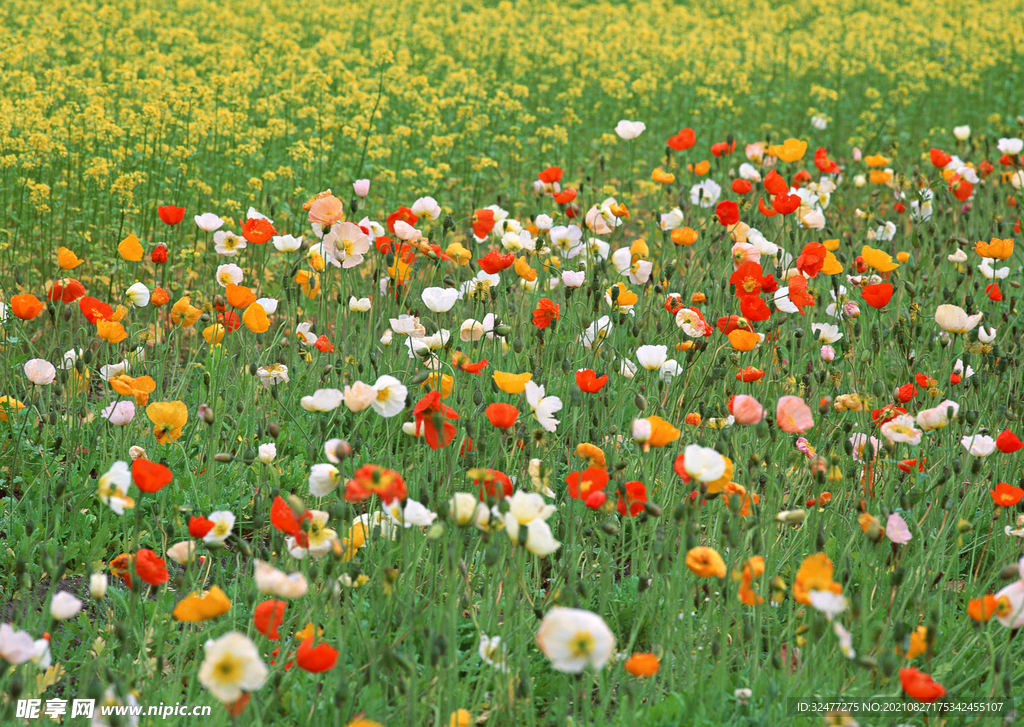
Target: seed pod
223, 457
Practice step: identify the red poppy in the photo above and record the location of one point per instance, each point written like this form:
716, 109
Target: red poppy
764, 209
905, 393
324, 345
383, 244
985, 169
483, 223
550, 175
749, 374
775, 184
27, 306
258, 230
728, 213
939, 158
961, 188
493, 262
955, 378
823, 163
812, 259
723, 148
545, 313
491, 477
403, 214
1007, 442
230, 320
316, 659
238, 706
786, 204
877, 296
371, 480
925, 382
674, 303
886, 413
565, 196
66, 290
801, 178
728, 324
798, 294
900, 207
993, 292
198, 526
267, 616
424, 412
463, 363
150, 476
1006, 495
151, 567
631, 502
741, 186
283, 518
582, 484
920, 686
908, 465
502, 416
596, 499
683, 140
679, 467
589, 381
170, 214
752, 307
94, 310
159, 254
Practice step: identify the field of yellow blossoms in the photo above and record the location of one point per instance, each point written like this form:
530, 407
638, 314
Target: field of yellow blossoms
493, 363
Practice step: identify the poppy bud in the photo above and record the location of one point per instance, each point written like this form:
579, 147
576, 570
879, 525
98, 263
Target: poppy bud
610, 528
503, 330
1009, 572
223, 457
517, 345
640, 402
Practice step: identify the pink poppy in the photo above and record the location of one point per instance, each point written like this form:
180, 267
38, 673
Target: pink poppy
897, 531
793, 415
746, 409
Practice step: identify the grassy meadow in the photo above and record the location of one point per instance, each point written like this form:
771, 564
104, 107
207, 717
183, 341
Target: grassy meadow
493, 363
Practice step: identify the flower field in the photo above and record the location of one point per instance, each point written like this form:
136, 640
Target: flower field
497, 363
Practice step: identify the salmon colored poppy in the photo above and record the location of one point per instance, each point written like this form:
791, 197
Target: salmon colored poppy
168, 418
502, 416
371, 480
67, 260
150, 476
26, 306
920, 686
268, 616
258, 230
196, 607
170, 214
1006, 495
589, 382
316, 659
545, 313
511, 383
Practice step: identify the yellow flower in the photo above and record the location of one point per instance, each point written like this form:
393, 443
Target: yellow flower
183, 313
640, 249
903, 256
791, 150
877, 259
720, 484
523, 270
626, 297
831, 245
458, 253
997, 249
876, 160
9, 405
439, 382
131, 249
684, 236
110, 331
918, 643
705, 563
511, 383
662, 432
195, 607
743, 340
701, 168
214, 334
168, 418
67, 259
255, 318
310, 283
594, 454
140, 387
832, 265
662, 177
880, 176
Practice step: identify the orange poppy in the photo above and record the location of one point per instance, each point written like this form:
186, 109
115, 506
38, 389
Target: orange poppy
150, 476
545, 313
26, 306
316, 659
502, 416
267, 616
643, 665
140, 387
371, 480
258, 230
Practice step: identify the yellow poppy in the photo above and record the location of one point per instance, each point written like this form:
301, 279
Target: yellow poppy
439, 382
255, 318
183, 313
625, 298
140, 387
705, 563
997, 249
640, 249
310, 283
67, 259
743, 340
720, 484
9, 405
880, 176
791, 150
877, 259
815, 574
831, 245
523, 270
511, 383
662, 177
593, 453
195, 607
168, 418
458, 253
110, 331
662, 432
131, 249
832, 265
702, 168
684, 236
876, 160
239, 296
